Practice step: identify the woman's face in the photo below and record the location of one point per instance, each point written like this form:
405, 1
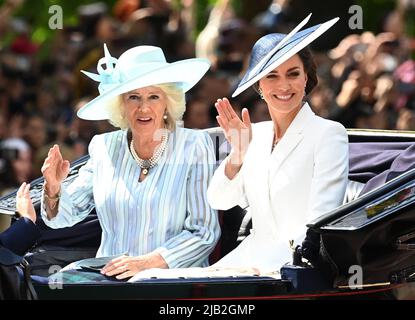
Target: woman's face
144, 109
284, 87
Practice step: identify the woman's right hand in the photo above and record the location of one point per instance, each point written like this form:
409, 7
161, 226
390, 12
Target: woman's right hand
54, 171
238, 132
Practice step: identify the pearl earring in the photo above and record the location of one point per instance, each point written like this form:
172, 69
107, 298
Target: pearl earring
260, 93
165, 117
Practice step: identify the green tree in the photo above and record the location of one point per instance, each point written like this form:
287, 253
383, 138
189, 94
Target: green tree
36, 12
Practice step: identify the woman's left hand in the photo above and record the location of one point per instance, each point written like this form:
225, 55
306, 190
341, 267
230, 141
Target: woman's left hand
24, 205
125, 267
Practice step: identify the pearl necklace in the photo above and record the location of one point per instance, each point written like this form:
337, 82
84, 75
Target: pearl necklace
147, 164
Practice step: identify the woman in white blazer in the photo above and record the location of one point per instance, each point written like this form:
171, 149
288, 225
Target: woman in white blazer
287, 171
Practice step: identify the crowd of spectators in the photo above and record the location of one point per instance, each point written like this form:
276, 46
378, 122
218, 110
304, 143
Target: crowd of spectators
366, 81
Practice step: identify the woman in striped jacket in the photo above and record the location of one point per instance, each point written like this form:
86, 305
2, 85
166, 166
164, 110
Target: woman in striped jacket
147, 181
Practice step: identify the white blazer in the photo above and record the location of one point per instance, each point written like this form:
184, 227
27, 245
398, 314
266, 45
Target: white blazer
302, 178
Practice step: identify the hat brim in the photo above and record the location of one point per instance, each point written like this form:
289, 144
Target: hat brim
185, 73
287, 51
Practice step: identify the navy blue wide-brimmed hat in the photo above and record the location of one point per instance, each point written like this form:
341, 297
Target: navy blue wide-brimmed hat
273, 49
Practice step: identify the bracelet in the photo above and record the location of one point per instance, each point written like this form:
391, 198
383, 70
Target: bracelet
51, 198
54, 199
51, 206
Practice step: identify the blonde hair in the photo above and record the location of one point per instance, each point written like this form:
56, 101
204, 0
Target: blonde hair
176, 106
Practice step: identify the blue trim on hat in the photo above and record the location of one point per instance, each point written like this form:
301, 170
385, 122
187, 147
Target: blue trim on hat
266, 44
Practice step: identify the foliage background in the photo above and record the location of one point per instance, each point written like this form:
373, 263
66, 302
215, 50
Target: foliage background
36, 13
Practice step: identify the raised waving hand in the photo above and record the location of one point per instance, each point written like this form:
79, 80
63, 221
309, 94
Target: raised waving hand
54, 170
237, 131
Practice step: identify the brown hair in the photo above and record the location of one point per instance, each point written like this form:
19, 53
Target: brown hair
309, 68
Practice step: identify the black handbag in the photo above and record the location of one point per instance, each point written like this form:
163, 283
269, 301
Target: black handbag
15, 281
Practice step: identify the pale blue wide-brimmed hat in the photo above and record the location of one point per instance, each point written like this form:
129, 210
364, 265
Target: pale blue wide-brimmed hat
136, 68
273, 49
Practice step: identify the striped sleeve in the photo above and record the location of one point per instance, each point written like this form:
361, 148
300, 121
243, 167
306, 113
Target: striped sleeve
201, 231
76, 200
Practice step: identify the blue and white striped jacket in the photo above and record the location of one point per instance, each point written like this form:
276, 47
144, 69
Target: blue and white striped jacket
167, 212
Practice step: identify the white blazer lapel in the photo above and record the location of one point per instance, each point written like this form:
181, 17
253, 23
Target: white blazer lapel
257, 178
291, 138
283, 149
259, 157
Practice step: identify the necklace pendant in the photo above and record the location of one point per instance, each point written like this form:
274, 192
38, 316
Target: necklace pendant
145, 171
